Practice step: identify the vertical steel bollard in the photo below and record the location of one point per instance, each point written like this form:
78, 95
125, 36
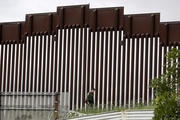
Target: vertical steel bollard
56, 106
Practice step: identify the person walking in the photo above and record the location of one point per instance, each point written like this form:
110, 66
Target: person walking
90, 97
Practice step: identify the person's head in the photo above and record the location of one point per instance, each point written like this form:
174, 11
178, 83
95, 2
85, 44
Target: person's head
93, 90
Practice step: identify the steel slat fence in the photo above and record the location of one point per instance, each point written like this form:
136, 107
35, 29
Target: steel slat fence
117, 58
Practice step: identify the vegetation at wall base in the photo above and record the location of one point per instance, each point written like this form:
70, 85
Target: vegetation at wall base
113, 108
167, 89
109, 108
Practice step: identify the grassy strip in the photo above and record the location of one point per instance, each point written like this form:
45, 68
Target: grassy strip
95, 109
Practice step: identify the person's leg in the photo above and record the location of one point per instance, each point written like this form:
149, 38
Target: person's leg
91, 107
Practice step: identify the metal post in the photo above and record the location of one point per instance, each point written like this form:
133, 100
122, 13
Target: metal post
56, 106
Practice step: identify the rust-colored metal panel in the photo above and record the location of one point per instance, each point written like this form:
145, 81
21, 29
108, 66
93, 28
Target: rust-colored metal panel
142, 23
164, 32
54, 21
69, 15
170, 32
11, 31
106, 17
40, 22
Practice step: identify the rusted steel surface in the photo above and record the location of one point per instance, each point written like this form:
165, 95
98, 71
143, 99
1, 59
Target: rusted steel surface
106, 17
142, 23
42, 22
77, 48
97, 17
12, 31
73, 15
169, 32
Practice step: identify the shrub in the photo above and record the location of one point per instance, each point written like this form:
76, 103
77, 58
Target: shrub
167, 96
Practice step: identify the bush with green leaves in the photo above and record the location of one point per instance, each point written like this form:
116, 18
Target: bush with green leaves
167, 89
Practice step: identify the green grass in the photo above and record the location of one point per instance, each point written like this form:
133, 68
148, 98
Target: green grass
95, 109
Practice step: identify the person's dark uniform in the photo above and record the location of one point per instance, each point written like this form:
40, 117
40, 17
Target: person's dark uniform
90, 97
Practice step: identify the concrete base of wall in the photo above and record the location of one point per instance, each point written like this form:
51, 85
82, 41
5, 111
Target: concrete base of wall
26, 115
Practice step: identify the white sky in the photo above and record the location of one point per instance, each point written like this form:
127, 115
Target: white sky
15, 10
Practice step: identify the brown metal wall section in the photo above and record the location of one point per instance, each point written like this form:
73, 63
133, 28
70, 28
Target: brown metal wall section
101, 65
12, 31
119, 67
36, 62
132, 66
141, 66
110, 64
76, 68
100, 20
123, 69
56, 57
106, 64
24, 64
146, 67
40, 61
85, 66
32, 62
5, 67
127, 69
1, 65
97, 65
141, 24
9, 60
72, 66
13, 65
17, 65
80, 68
114, 68
44, 78
169, 32
68, 58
